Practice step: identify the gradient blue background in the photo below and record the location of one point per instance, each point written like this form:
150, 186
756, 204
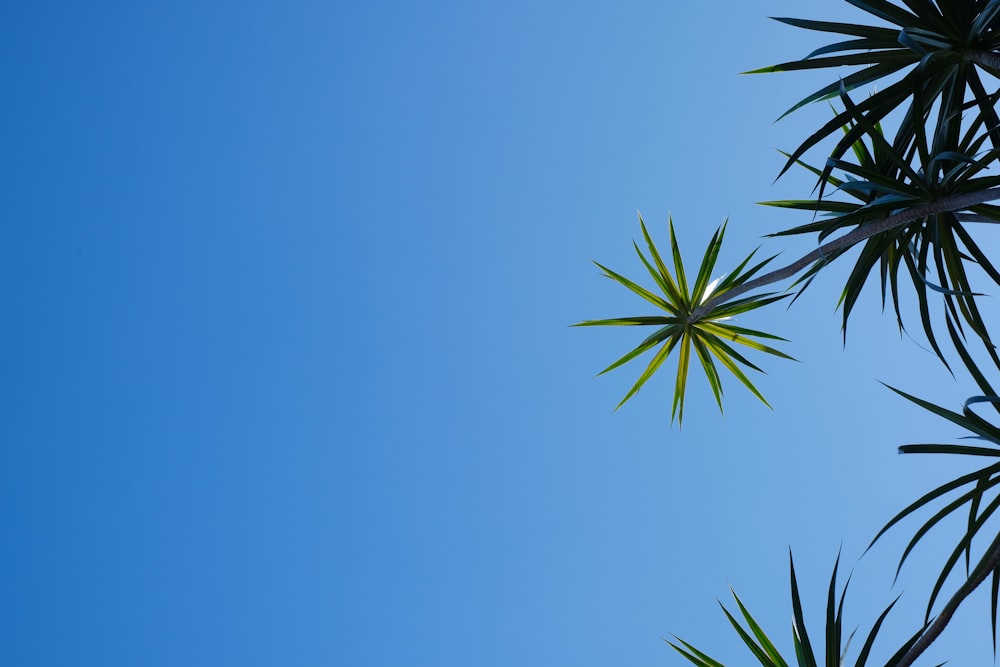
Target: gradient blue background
287, 378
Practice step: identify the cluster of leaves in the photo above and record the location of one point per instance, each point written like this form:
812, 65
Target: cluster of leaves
941, 46
683, 328
934, 251
835, 647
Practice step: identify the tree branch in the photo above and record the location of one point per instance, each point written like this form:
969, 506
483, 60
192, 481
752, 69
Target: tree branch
975, 217
944, 205
937, 627
987, 59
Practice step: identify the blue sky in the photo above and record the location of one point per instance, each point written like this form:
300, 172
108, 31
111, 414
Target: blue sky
288, 376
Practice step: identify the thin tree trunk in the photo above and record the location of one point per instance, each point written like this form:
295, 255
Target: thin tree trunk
866, 231
986, 59
935, 629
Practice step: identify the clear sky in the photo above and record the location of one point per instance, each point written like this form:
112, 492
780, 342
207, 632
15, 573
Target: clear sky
287, 376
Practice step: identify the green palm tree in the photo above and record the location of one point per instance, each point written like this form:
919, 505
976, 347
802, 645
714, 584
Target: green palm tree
909, 205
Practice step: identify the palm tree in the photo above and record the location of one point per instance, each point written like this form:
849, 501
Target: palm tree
910, 203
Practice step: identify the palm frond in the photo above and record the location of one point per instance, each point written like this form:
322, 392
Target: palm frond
924, 57
976, 494
765, 651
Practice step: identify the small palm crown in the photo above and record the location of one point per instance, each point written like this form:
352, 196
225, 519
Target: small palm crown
696, 319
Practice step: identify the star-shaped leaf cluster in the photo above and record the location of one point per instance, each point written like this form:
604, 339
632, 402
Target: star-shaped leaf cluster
685, 327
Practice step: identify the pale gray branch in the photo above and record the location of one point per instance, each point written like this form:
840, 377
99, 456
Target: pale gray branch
937, 627
986, 59
943, 205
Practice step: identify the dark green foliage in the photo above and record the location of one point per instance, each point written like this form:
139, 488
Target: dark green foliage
834, 647
909, 206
